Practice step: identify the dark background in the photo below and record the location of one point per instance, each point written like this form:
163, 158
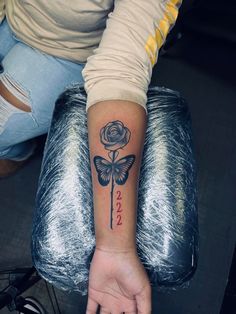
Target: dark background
201, 65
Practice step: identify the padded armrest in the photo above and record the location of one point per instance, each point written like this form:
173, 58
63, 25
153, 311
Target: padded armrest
63, 237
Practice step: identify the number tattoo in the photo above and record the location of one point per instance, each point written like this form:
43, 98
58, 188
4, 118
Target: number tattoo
119, 209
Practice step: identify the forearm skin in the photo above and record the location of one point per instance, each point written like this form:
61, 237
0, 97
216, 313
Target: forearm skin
114, 196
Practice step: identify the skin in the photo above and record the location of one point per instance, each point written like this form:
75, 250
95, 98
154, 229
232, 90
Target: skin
12, 99
117, 281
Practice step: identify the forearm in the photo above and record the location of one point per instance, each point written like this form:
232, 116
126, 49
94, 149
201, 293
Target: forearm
115, 194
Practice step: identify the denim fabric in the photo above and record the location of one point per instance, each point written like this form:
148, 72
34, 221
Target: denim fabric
35, 78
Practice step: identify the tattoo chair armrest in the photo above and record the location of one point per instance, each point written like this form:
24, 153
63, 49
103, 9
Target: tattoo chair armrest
63, 237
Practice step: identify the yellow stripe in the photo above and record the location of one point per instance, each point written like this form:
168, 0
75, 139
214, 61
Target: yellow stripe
169, 18
164, 27
172, 13
151, 54
159, 40
176, 2
151, 48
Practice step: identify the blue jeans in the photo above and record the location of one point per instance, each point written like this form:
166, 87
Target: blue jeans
36, 79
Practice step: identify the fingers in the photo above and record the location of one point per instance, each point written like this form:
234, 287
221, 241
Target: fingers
103, 310
143, 299
106, 311
92, 306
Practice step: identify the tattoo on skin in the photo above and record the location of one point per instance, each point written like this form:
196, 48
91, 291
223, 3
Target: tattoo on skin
119, 208
114, 136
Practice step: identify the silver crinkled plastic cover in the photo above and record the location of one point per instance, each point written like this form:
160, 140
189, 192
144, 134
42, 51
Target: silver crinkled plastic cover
63, 238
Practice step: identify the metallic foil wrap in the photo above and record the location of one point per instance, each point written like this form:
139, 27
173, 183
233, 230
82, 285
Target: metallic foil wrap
63, 237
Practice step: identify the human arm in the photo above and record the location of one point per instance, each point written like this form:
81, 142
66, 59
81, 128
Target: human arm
121, 67
116, 80
118, 281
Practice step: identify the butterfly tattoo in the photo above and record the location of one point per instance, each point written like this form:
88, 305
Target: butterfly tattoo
119, 170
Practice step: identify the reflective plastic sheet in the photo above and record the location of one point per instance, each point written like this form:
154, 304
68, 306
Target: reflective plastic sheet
63, 238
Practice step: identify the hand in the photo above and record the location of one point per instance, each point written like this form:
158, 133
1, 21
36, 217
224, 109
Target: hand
119, 283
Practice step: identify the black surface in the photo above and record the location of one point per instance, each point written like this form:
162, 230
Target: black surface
229, 302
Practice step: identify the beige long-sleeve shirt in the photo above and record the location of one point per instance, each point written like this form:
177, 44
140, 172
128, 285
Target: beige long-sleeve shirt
2, 10
119, 39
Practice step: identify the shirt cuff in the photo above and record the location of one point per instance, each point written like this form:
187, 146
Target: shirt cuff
115, 90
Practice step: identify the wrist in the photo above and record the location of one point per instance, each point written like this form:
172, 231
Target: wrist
116, 243
116, 250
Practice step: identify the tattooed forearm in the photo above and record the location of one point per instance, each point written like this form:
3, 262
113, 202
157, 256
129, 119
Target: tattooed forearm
114, 136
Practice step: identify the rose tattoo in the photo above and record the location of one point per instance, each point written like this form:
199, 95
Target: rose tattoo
114, 136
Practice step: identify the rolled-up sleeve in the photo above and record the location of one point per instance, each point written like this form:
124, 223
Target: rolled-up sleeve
2, 10
121, 67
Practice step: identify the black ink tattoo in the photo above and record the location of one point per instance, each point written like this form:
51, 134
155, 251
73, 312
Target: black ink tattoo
113, 136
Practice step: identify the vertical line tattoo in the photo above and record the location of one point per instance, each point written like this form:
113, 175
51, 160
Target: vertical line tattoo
114, 136
112, 189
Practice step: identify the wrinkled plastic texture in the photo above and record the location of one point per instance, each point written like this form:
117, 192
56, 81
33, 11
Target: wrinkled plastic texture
63, 238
